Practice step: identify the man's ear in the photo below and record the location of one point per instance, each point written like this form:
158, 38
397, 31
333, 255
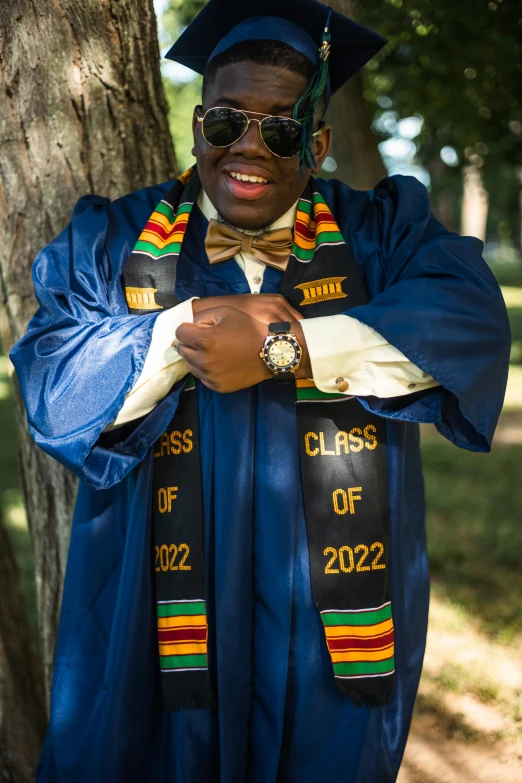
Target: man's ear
322, 146
195, 124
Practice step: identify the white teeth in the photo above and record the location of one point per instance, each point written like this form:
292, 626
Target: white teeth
248, 177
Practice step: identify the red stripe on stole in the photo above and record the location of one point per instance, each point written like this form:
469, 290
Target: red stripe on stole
324, 219
359, 642
183, 635
303, 230
163, 232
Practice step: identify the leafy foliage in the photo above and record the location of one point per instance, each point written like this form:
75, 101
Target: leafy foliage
459, 65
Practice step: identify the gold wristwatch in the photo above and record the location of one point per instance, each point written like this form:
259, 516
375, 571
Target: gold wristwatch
281, 352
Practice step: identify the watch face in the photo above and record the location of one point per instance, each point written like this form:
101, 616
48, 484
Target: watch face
282, 353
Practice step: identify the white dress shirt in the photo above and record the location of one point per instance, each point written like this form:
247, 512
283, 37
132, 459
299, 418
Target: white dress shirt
339, 347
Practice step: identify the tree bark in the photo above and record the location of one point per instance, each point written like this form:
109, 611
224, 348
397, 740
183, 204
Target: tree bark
22, 701
354, 149
82, 110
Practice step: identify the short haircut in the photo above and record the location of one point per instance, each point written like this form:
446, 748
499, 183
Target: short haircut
276, 53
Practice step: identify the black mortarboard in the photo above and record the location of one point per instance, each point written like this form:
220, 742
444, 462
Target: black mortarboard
299, 23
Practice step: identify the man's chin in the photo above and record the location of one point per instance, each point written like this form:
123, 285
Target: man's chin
246, 219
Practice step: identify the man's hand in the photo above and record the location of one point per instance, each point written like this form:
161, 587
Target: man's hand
222, 348
268, 308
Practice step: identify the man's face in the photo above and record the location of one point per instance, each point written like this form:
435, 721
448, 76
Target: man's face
268, 90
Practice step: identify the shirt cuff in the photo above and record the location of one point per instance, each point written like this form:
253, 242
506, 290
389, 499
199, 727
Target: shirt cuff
163, 366
343, 348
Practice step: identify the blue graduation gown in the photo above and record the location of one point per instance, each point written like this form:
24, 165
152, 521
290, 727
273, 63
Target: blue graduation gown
279, 715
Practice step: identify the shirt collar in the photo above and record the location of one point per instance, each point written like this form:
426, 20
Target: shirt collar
209, 211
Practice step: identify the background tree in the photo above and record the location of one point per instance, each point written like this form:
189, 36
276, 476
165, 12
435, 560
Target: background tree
82, 110
354, 149
459, 66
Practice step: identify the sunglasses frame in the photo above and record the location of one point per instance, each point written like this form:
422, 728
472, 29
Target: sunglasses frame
245, 114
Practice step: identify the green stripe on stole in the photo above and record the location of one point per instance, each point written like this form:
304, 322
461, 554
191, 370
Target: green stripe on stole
181, 609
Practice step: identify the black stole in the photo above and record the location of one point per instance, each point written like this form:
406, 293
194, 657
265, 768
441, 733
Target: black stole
343, 468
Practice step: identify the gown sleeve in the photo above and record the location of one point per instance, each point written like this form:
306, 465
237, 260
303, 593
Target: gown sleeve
439, 304
83, 353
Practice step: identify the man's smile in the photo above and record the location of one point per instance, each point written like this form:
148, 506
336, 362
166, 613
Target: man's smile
247, 182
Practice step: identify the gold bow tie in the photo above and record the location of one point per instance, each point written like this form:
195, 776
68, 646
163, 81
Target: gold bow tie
272, 248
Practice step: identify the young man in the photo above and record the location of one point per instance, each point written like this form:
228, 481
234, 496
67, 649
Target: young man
264, 525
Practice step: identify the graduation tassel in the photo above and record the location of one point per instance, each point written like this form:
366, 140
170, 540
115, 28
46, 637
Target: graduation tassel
311, 98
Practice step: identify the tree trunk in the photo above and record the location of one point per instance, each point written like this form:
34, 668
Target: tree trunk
475, 203
355, 149
82, 110
22, 701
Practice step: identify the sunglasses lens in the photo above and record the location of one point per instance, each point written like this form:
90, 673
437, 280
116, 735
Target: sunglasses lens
282, 136
222, 127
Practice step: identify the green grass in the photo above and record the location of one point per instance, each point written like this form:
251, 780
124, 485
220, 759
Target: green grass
474, 529
474, 513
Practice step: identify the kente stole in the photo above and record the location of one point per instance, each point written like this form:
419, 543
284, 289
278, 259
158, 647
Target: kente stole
343, 470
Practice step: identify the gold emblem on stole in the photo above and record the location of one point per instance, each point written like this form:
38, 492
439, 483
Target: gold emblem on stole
142, 299
322, 290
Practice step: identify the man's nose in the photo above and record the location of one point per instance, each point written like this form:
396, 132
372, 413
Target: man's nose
251, 144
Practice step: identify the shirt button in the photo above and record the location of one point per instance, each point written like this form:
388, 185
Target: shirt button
342, 384
257, 280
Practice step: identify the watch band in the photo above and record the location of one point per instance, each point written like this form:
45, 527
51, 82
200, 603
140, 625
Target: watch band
281, 327
284, 377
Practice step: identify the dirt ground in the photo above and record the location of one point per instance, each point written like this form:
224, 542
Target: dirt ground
468, 719
467, 726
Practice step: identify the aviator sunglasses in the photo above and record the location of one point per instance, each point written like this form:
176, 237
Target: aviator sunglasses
222, 127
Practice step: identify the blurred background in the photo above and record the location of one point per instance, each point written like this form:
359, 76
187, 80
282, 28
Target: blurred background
443, 103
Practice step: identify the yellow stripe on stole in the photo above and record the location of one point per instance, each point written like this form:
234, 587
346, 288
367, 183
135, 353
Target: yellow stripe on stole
184, 178
333, 631
193, 648
154, 239
322, 209
309, 244
186, 621
309, 220
305, 218
362, 655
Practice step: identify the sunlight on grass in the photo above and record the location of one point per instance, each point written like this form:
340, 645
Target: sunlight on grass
513, 299
474, 507
513, 399
512, 296
5, 391
15, 516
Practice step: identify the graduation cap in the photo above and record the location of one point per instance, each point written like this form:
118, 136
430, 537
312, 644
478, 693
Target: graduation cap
336, 45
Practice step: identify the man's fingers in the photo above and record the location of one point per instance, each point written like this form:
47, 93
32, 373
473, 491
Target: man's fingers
190, 355
287, 311
191, 335
213, 315
294, 314
263, 307
195, 369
